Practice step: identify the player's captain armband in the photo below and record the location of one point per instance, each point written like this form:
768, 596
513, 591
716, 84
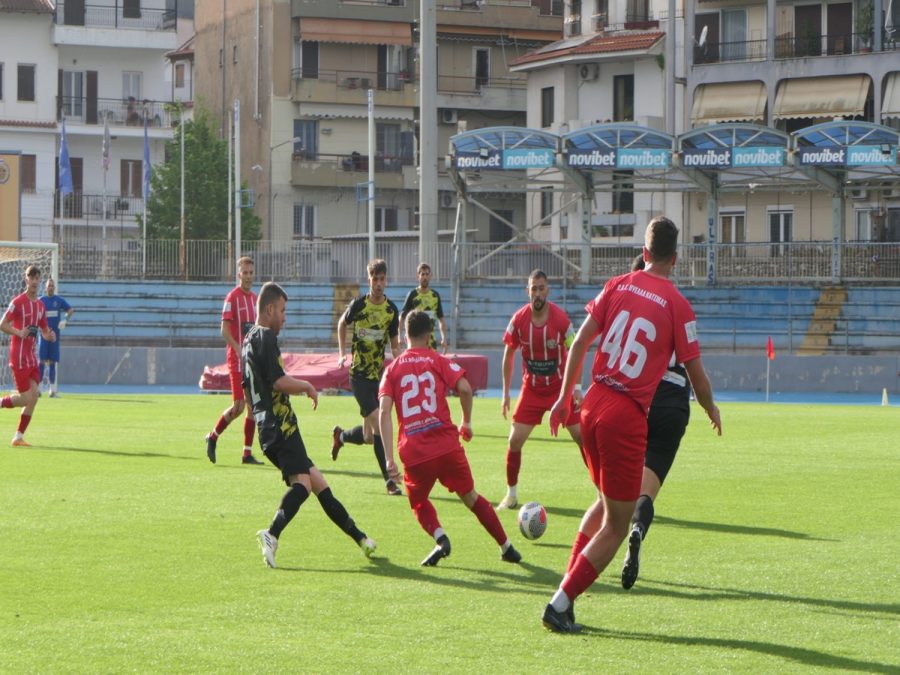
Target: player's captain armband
690, 330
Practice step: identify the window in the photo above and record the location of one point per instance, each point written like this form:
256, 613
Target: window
304, 221
29, 173
734, 231
308, 133
179, 75
72, 93
309, 59
131, 173
891, 229
131, 9
623, 192
387, 147
385, 219
482, 67
623, 98
780, 226
26, 82
498, 229
546, 205
546, 106
131, 85
573, 21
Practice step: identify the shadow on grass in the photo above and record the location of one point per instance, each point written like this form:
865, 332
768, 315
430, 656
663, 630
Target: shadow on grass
115, 453
731, 528
697, 592
798, 655
538, 581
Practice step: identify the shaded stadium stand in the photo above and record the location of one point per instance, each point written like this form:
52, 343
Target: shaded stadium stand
855, 320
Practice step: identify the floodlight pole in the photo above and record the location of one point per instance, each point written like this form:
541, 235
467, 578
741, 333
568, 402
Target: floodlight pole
237, 177
371, 194
182, 258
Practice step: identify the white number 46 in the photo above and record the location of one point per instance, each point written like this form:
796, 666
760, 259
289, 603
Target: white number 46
628, 353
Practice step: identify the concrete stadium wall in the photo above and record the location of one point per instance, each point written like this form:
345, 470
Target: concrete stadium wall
142, 366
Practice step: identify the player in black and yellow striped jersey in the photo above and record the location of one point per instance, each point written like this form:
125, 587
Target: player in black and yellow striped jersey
375, 321
427, 300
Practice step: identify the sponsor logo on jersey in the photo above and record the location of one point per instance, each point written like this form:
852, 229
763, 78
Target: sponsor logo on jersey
690, 330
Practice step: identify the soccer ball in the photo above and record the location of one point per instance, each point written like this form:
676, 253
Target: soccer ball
532, 520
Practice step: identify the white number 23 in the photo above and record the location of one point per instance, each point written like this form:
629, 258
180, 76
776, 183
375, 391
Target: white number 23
410, 402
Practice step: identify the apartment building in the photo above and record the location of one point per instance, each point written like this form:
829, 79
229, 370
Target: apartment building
785, 65
89, 65
302, 72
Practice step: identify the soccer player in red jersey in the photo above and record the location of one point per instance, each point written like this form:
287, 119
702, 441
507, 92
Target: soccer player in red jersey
238, 317
419, 381
641, 319
24, 318
541, 330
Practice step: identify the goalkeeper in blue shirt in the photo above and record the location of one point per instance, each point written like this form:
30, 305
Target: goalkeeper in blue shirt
58, 313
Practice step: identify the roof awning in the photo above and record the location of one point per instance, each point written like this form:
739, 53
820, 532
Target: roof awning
890, 107
840, 96
349, 111
732, 102
353, 31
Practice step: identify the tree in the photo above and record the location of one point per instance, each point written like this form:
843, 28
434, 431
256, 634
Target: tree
205, 187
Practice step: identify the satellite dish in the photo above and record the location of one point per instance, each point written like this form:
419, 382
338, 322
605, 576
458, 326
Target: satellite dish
702, 41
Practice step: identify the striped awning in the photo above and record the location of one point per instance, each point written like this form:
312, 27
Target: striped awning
355, 31
818, 97
890, 106
729, 102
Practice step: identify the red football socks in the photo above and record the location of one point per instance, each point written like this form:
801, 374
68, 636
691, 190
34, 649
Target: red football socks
221, 425
581, 540
6, 402
23, 422
249, 428
513, 462
489, 520
579, 578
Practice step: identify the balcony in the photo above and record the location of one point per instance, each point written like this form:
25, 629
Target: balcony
349, 86
114, 25
128, 112
482, 93
87, 209
789, 46
326, 170
729, 52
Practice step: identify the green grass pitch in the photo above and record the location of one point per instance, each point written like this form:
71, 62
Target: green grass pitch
775, 549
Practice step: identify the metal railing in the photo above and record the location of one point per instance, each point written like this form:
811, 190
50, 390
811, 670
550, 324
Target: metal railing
118, 15
119, 112
336, 260
89, 207
357, 79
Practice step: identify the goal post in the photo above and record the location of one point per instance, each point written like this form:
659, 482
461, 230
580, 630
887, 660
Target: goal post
15, 256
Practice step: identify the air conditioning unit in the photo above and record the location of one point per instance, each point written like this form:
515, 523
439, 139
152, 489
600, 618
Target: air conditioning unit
588, 72
448, 200
859, 193
448, 116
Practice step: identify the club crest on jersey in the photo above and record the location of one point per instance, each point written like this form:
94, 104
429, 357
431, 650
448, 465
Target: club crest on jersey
455, 367
552, 344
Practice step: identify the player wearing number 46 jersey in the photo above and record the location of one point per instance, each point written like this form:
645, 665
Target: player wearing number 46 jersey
238, 316
268, 389
641, 319
418, 381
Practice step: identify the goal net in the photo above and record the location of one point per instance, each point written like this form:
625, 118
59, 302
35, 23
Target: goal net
15, 256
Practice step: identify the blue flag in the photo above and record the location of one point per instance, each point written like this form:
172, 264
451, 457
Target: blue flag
146, 194
65, 167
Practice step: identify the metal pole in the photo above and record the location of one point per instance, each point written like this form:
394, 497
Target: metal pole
228, 204
237, 177
371, 195
182, 262
428, 150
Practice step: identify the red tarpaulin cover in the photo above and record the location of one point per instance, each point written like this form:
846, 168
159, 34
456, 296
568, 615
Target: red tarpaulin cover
322, 371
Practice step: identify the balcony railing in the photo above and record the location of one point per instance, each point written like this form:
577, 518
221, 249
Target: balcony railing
88, 207
116, 16
356, 161
791, 46
719, 52
356, 79
119, 112
473, 84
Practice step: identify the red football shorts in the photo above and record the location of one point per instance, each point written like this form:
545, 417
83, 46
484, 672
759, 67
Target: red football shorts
533, 403
614, 435
451, 469
24, 377
237, 386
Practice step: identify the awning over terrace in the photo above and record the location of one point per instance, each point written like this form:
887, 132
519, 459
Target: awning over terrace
890, 106
816, 97
353, 31
730, 102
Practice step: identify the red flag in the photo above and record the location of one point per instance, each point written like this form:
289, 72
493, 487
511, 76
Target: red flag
770, 349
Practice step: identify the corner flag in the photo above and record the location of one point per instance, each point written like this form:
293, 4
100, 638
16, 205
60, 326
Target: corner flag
770, 349
65, 167
146, 192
